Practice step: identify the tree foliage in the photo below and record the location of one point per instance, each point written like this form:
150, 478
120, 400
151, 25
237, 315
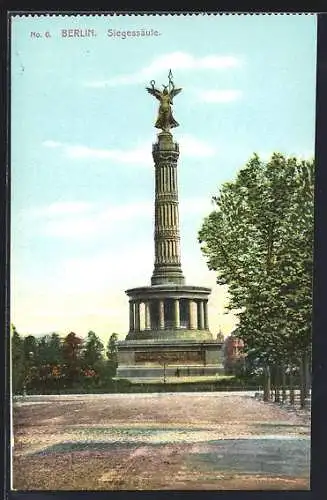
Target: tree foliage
72, 349
259, 239
112, 352
92, 350
112, 347
50, 350
54, 364
18, 361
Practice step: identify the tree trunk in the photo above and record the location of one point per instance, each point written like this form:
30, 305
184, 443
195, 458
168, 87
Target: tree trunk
302, 384
267, 384
273, 382
307, 375
292, 398
305, 379
283, 384
277, 384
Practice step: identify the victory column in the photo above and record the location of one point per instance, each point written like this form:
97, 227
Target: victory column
174, 327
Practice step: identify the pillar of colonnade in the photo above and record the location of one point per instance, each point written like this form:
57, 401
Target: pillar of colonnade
197, 314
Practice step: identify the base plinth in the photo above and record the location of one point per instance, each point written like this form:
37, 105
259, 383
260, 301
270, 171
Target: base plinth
173, 334
175, 357
169, 328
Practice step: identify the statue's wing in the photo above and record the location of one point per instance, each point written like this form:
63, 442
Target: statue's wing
174, 92
154, 92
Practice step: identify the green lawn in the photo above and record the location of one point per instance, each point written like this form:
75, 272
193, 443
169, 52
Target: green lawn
183, 380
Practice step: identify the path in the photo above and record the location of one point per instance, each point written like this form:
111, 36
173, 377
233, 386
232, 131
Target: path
159, 441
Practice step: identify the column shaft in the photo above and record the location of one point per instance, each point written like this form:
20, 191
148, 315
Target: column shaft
192, 319
206, 323
176, 314
161, 315
201, 314
147, 316
137, 316
167, 264
131, 316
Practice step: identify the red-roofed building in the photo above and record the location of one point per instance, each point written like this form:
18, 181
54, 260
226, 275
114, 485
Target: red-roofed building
233, 354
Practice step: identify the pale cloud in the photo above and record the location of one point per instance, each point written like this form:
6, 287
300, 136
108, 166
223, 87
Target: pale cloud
98, 221
82, 220
220, 96
192, 147
307, 155
195, 206
174, 61
139, 155
121, 268
60, 208
51, 144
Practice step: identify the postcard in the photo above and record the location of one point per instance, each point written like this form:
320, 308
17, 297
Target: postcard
162, 194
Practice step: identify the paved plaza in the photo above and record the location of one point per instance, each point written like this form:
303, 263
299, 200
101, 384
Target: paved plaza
184, 441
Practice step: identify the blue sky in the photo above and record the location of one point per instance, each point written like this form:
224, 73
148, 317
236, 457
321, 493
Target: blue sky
82, 131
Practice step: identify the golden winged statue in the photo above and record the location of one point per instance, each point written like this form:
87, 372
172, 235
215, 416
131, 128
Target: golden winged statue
165, 120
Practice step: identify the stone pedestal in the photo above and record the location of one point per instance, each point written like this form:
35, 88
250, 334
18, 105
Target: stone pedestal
175, 332
145, 359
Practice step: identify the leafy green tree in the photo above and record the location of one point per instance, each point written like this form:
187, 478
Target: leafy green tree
92, 351
259, 240
18, 361
93, 361
30, 348
50, 350
112, 351
48, 372
72, 356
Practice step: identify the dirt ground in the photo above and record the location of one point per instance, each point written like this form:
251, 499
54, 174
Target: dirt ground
189, 441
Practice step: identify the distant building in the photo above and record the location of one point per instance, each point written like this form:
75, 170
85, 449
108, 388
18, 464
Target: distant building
234, 355
220, 336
